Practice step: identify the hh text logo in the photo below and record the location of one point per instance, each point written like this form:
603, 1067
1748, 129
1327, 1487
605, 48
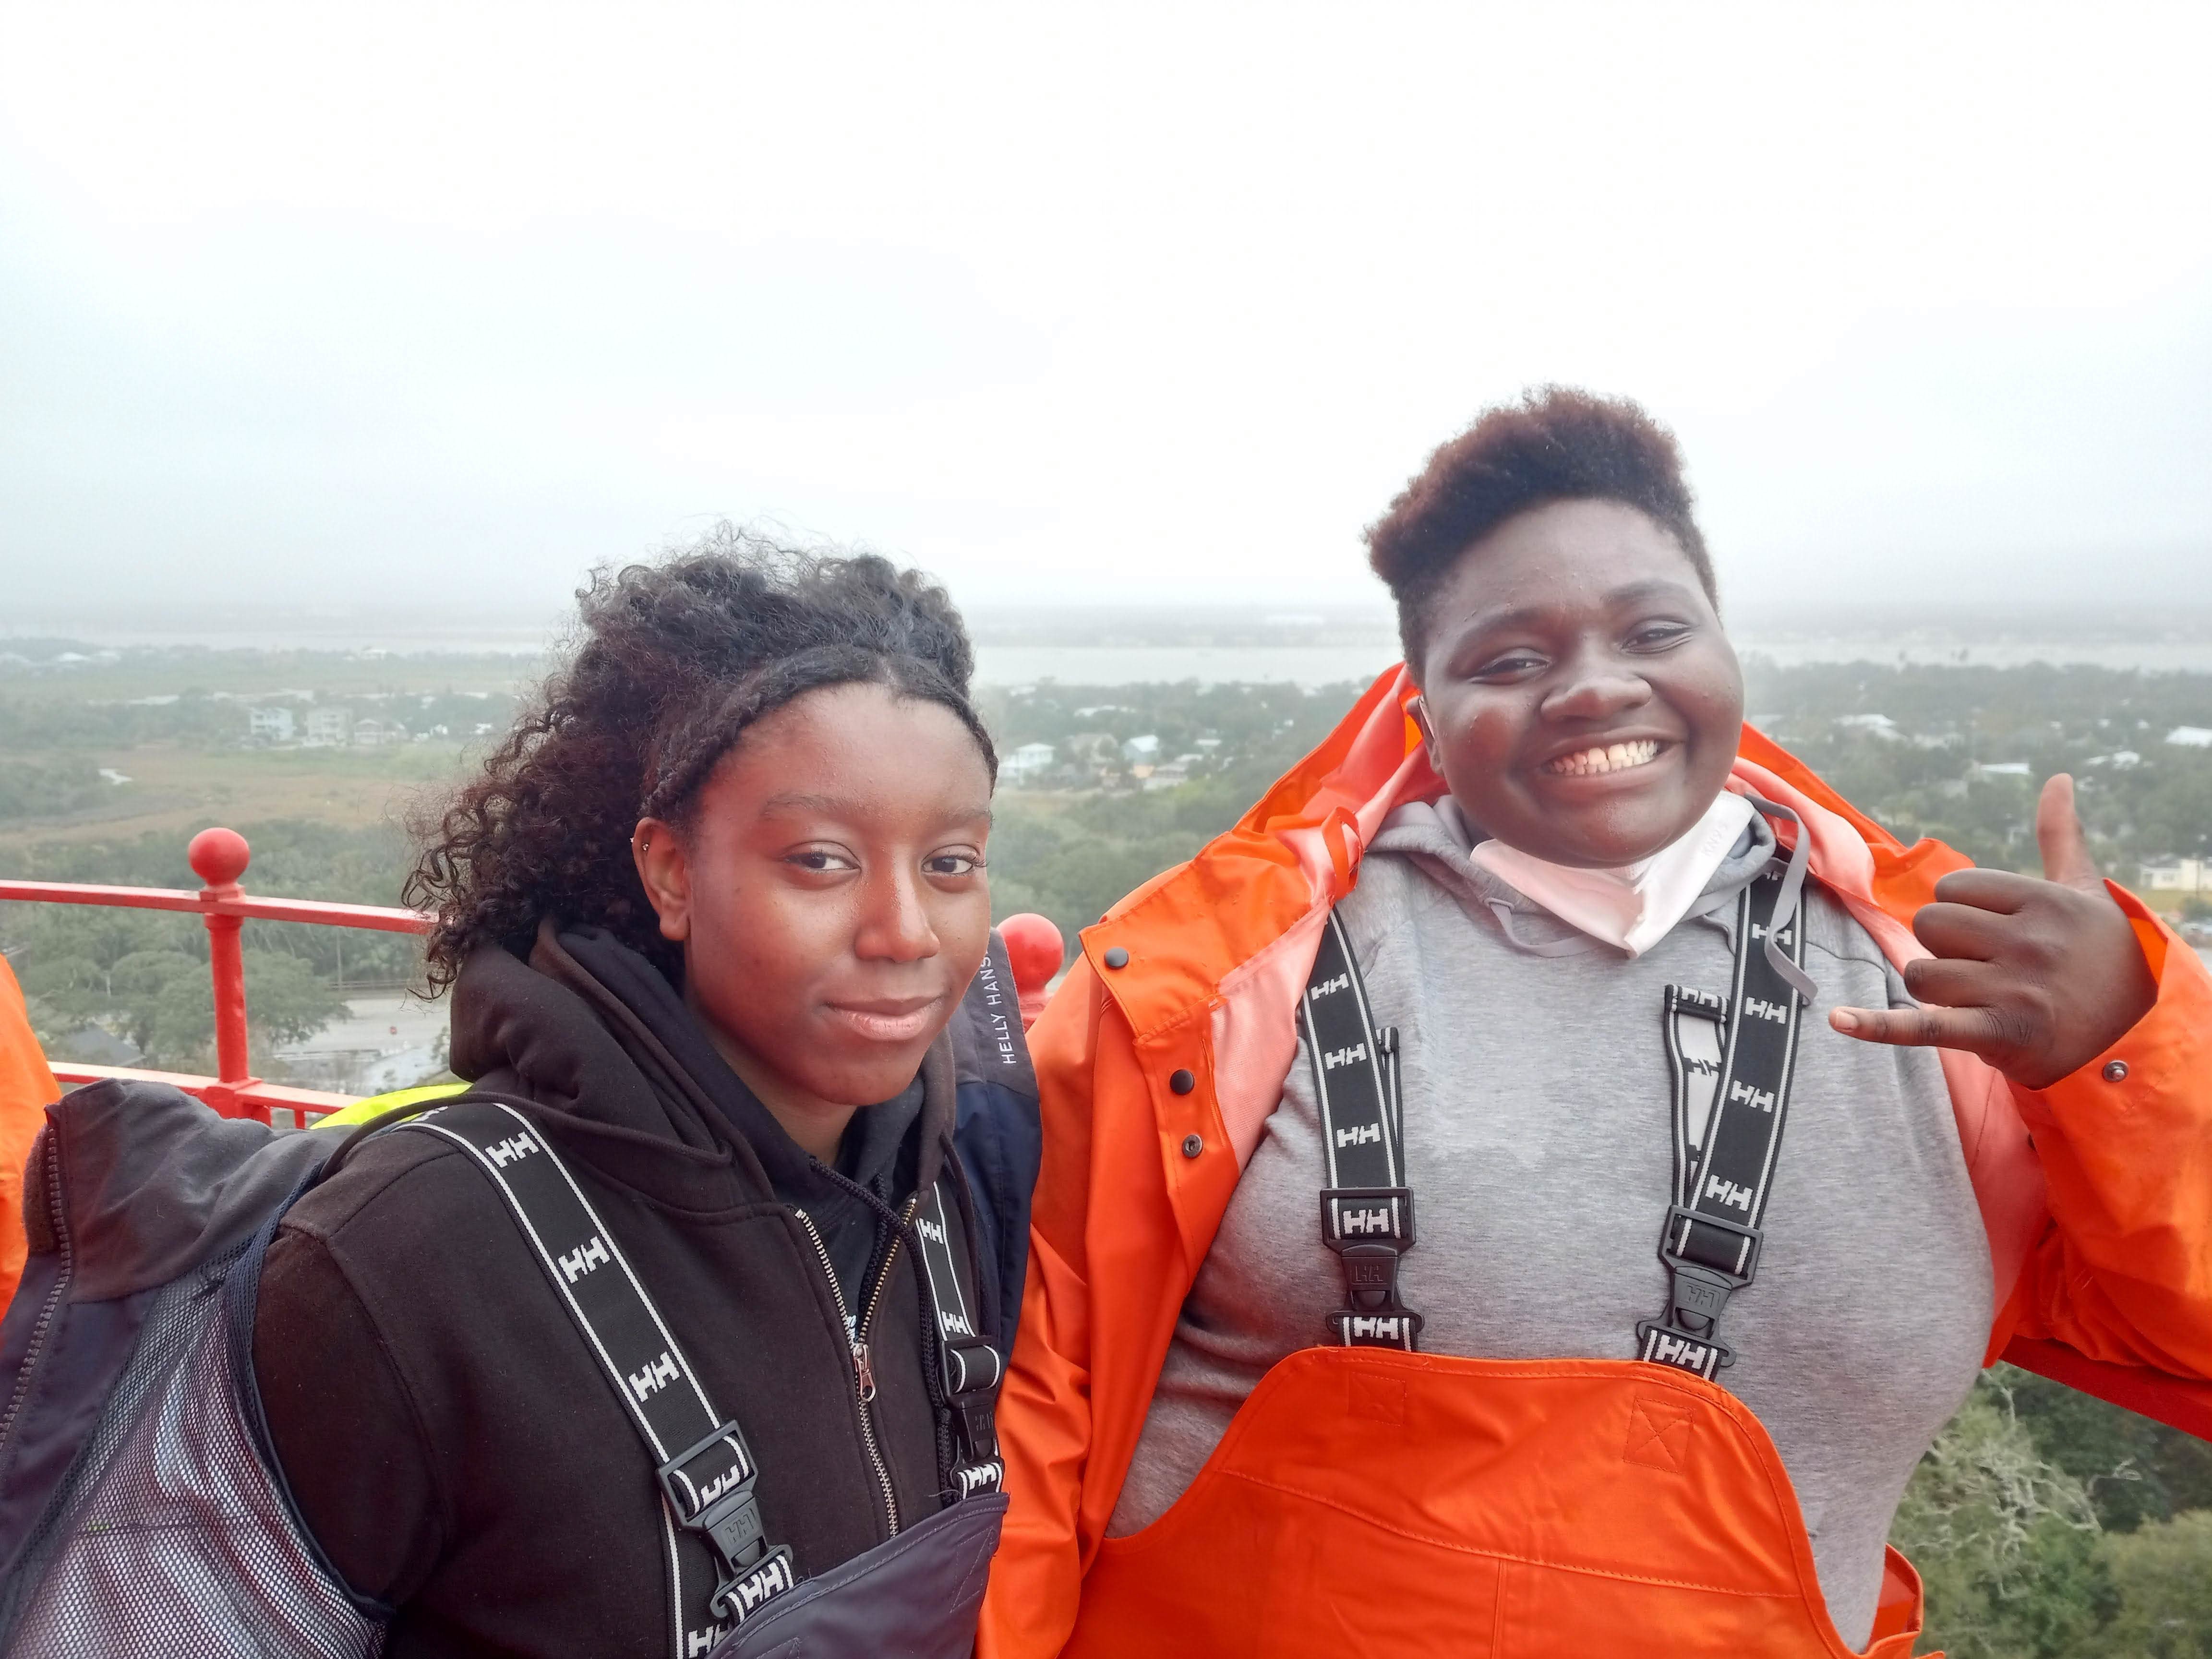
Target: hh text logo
1365, 1221
1745, 1094
1760, 1008
983, 1477
729, 1480
506, 1151
698, 1642
1387, 1329
1673, 1350
578, 1262
1366, 1135
930, 1232
1698, 1067
1780, 935
953, 1324
772, 1577
1336, 1057
1341, 982
658, 1375
1728, 1192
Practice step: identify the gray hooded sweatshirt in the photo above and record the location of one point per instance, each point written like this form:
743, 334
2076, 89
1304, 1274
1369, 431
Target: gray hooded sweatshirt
1539, 1146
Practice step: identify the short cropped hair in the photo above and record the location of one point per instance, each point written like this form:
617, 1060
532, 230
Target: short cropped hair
1556, 444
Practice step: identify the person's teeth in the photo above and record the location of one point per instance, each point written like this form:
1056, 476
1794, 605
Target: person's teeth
1612, 757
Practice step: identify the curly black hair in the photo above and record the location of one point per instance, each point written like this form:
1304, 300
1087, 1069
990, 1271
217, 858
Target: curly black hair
1556, 444
672, 662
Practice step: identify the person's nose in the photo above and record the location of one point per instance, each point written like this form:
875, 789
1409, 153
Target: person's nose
896, 925
1598, 686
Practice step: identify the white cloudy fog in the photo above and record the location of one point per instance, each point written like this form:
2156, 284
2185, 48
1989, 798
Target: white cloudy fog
308, 312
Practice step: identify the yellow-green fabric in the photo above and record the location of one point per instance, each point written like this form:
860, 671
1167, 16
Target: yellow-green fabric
361, 1110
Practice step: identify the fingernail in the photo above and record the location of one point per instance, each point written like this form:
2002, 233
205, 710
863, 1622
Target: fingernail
1842, 1019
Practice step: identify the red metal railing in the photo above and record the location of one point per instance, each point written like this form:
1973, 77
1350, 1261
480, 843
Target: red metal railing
219, 858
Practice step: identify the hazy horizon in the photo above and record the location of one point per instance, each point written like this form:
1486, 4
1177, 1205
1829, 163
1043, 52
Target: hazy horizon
300, 311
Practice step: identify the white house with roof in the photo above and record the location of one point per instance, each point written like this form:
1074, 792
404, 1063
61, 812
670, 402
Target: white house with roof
1032, 760
2178, 876
270, 724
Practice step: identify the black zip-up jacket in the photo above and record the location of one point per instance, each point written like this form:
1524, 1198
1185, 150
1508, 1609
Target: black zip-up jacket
451, 1444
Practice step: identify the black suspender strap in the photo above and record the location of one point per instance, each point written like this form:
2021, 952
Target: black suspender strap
707, 1475
1366, 1208
1722, 1178
972, 1369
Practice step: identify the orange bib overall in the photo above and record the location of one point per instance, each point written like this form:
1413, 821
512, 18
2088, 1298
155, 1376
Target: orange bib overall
1371, 1502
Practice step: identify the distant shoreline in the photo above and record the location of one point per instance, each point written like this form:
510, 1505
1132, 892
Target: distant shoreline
1322, 657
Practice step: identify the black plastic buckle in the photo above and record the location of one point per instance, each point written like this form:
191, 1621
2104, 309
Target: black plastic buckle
1678, 1213
974, 1420
720, 1503
1371, 1221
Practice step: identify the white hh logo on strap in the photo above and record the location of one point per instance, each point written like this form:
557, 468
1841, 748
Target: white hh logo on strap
658, 1375
1341, 982
930, 1230
1743, 1092
1336, 1057
1390, 1330
771, 1578
1366, 1135
1364, 1221
506, 1151
729, 1481
1728, 1192
1760, 1008
954, 1324
1781, 938
578, 1262
1672, 1350
697, 1641
983, 1477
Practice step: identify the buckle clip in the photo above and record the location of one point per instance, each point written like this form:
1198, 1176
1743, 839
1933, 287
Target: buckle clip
1352, 1217
710, 1490
1679, 1215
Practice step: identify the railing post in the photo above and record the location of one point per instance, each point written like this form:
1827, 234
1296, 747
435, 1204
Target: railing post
1034, 952
219, 858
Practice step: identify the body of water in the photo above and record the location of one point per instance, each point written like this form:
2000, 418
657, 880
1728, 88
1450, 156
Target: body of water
1315, 666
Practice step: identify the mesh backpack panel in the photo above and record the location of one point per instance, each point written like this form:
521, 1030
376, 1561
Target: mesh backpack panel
170, 1536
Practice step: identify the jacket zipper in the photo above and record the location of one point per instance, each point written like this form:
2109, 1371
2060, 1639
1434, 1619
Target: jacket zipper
34, 1351
864, 1373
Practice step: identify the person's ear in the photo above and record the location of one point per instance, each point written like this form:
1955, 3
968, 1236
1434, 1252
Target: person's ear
665, 869
1420, 710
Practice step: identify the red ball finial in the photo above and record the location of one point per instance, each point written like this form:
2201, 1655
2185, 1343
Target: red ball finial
1034, 952
219, 857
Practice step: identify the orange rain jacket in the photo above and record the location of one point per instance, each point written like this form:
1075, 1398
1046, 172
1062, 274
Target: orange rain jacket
2096, 1193
27, 1088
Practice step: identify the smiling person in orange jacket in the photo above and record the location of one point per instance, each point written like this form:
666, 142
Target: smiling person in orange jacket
1516, 1429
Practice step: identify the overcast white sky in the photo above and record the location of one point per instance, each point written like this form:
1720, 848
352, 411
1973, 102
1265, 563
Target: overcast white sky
345, 309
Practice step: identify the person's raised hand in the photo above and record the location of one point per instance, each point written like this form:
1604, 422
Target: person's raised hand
2037, 977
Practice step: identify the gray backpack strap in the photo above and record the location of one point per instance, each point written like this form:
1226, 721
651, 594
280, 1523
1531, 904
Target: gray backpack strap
721, 1567
1722, 1178
1367, 1208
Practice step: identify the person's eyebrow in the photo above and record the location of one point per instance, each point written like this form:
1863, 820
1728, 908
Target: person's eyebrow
839, 807
1529, 616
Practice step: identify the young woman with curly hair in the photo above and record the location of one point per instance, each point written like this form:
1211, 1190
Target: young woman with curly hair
717, 928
